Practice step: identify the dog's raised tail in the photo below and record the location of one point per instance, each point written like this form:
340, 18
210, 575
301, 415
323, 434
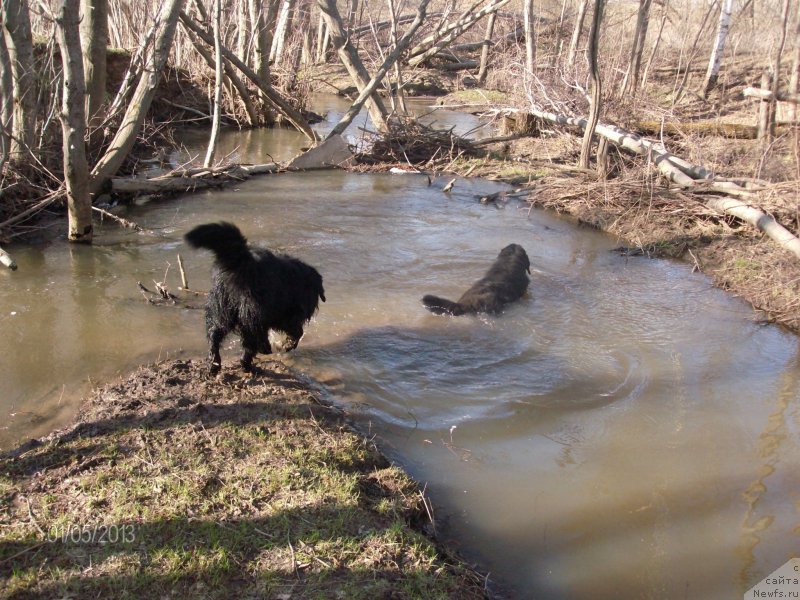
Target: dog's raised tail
224, 240
442, 306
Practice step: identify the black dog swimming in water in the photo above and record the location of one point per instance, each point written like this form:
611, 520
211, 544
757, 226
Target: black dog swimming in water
253, 291
505, 282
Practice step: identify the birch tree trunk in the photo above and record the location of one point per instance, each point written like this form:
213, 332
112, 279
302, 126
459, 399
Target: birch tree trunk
576, 33
73, 124
94, 41
140, 102
714, 63
6, 102
597, 91
530, 37
281, 31
352, 62
16, 19
630, 83
218, 60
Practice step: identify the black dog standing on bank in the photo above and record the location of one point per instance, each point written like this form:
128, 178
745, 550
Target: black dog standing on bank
253, 291
505, 282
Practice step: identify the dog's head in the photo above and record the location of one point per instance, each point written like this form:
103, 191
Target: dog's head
517, 252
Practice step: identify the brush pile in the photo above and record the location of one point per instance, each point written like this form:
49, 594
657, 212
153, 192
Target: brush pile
412, 142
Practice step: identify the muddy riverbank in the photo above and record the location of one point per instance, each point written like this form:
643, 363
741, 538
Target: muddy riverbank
175, 483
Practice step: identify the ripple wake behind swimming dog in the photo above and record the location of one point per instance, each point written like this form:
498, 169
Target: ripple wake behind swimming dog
506, 281
253, 291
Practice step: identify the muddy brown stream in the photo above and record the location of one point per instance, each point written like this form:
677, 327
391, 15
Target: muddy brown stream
624, 431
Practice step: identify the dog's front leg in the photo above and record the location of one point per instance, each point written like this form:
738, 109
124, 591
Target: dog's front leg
251, 347
215, 337
293, 336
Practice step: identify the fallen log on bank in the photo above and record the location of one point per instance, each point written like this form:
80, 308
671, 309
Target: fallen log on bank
459, 66
689, 177
5, 259
737, 131
752, 92
187, 180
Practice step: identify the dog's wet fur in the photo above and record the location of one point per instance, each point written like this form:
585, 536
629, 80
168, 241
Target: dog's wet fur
505, 282
252, 292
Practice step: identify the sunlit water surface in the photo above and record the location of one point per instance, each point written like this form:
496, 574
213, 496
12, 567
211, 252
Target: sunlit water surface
624, 431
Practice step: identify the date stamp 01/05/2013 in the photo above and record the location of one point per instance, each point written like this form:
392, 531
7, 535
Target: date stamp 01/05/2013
75, 533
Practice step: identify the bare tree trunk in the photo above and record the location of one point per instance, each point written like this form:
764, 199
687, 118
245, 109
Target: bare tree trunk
261, 41
16, 19
576, 33
631, 81
352, 62
530, 37
218, 60
321, 35
139, 104
654, 50
433, 44
230, 78
278, 101
306, 57
597, 92
94, 41
764, 112
714, 63
6, 102
402, 44
487, 42
73, 124
281, 31
352, 13
242, 30
399, 92
679, 88
302, 21
776, 75
794, 78
559, 32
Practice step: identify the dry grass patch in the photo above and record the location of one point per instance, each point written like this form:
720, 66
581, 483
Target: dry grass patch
176, 484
